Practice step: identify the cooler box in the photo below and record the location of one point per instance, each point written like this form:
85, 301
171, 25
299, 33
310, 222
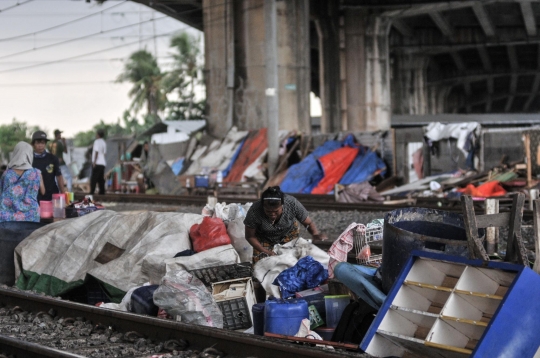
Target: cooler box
285, 316
234, 298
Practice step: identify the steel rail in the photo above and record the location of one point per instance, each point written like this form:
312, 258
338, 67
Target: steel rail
235, 344
17, 348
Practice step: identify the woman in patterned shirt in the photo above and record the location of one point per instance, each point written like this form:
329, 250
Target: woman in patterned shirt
274, 220
19, 187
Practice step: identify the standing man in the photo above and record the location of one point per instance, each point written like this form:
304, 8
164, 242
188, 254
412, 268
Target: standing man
58, 147
98, 163
48, 165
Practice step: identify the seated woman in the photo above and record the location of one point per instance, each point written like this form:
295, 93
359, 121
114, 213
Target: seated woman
19, 187
273, 220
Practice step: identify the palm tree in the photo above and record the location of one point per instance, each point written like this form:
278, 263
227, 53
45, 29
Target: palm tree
143, 72
184, 77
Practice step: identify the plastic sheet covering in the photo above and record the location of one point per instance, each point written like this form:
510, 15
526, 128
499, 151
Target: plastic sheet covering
107, 245
237, 232
154, 267
334, 165
184, 296
304, 176
366, 164
254, 146
306, 273
267, 269
219, 155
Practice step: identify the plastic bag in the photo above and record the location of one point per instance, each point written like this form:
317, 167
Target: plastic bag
365, 253
185, 297
210, 233
307, 273
237, 233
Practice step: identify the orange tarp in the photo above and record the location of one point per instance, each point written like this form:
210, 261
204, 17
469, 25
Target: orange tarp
486, 190
254, 146
334, 166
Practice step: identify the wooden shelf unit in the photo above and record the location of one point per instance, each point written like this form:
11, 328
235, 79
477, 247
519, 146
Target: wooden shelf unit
446, 306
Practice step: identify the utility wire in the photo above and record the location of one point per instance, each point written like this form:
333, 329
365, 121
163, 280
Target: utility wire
79, 56
79, 38
14, 6
60, 25
56, 84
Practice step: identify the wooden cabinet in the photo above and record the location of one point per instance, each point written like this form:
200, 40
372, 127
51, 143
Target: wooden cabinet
448, 306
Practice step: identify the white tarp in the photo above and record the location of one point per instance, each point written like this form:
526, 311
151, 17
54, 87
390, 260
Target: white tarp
107, 245
218, 157
460, 131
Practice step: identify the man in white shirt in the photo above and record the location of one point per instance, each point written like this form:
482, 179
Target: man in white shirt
98, 163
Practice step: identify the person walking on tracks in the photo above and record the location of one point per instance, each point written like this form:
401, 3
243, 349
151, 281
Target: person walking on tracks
98, 163
58, 147
48, 165
274, 220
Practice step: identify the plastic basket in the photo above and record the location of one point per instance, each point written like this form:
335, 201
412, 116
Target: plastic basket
215, 274
236, 313
362, 237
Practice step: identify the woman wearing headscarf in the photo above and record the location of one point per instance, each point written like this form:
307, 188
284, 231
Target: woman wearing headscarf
274, 220
19, 187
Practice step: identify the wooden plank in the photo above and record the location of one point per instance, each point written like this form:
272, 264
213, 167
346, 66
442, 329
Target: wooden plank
480, 294
448, 348
465, 320
428, 286
476, 247
528, 157
536, 215
492, 220
515, 249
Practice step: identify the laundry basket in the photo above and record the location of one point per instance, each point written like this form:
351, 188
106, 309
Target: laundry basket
363, 236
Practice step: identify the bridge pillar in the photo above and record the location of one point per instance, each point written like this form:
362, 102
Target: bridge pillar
235, 64
409, 85
367, 71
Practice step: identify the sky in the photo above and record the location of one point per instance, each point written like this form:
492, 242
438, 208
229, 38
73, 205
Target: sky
78, 89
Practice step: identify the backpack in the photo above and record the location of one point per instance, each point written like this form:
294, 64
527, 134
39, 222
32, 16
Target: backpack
354, 322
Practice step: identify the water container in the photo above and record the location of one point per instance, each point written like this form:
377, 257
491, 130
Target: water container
142, 300
335, 305
258, 318
285, 316
409, 229
11, 234
59, 204
45, 209
326, 333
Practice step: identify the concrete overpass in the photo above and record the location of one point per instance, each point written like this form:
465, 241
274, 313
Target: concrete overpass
366, 59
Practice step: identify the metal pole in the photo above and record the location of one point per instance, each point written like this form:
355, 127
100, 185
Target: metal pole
271, 84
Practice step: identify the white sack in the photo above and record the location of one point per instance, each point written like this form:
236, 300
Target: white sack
217, 256
237, 232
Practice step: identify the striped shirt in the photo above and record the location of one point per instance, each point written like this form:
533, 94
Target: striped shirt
273, 233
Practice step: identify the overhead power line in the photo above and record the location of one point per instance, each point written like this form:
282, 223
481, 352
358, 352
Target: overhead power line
56, 84
79, 56
60, 25
14, 6
79, 38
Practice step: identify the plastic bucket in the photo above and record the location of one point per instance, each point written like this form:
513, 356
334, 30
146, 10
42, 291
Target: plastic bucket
335, 305
423, 229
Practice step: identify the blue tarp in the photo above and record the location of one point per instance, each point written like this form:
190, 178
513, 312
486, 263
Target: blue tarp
233, 159
364, 165
304, 176
307, 273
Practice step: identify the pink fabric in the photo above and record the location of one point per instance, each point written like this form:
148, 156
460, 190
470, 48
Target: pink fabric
341, 247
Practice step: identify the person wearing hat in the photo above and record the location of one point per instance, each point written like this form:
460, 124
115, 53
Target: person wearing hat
49, 166
19, 187
58, 147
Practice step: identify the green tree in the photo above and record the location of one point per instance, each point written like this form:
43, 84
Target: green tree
143, 72
184, 78
13, 133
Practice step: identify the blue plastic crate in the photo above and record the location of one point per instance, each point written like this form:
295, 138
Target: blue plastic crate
201, 181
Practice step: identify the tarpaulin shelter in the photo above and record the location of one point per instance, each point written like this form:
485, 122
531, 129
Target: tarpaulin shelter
304, 176
334, 165
366, 164
255, 145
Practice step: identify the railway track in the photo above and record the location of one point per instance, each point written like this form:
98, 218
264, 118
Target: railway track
311, 202
26, 322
